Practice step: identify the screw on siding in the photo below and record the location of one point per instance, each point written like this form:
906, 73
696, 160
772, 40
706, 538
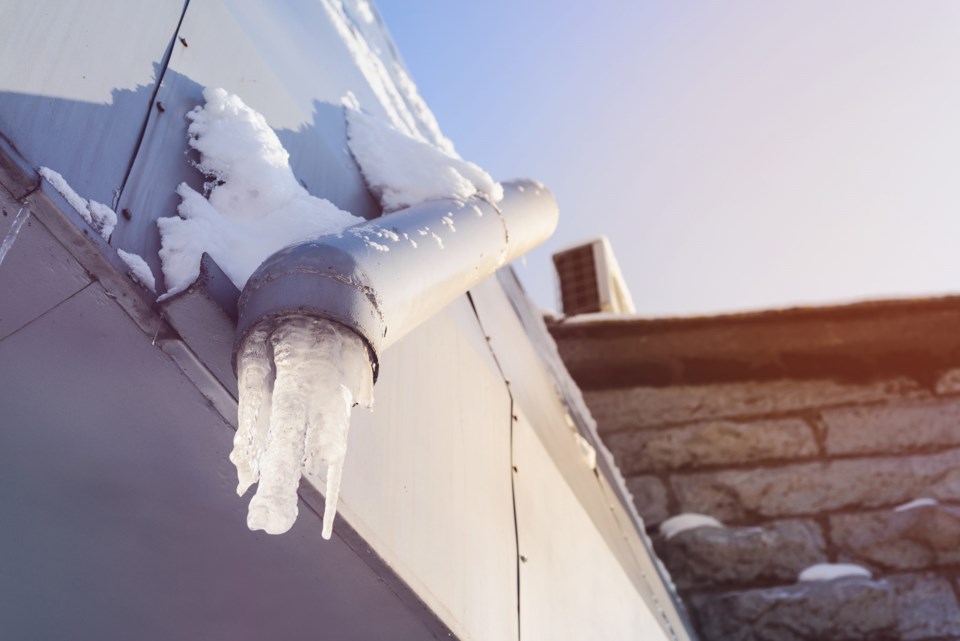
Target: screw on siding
183, 41
523, 559
160, 107
126, 214
515, 469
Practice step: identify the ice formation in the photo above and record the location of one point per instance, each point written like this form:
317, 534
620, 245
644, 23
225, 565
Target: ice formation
923, 502
97, 215
402, 171
298, 380
255, 205
683, 522
139, 269
831, 571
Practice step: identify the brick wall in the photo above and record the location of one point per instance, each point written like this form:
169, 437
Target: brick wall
801, 431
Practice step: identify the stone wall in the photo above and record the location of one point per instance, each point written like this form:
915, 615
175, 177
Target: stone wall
801, 468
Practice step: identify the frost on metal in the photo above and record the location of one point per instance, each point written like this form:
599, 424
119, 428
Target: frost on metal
299, 378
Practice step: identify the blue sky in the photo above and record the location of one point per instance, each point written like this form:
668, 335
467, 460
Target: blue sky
739, 155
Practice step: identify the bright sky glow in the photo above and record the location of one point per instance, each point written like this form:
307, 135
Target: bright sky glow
739, 155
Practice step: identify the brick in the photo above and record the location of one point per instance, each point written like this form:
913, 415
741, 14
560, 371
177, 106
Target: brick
810, 488
732, 556
711, 443
926, 606
920, 538
894, 428
852, 609
638, 407
650, 498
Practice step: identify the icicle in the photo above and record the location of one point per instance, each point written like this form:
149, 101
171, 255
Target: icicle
254, 379
294, 414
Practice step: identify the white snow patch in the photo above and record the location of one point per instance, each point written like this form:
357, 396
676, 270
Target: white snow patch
255, 205
364, 11
403, 171
139, 269
97, 215
298, 380
373, 69
922, 502
350, 101
831, 571
683, 522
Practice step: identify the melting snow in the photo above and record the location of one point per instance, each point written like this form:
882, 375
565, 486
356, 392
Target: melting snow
255, 205
139, 269
916, 503
97, 215
402, 171
298, 380
831, 571
683, 522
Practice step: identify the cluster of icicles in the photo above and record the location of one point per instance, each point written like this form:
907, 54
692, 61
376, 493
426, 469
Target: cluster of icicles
299, 377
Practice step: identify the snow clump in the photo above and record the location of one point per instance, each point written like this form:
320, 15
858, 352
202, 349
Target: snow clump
139, 269
923, 502
683, 522
254, 206
402, 171
97, 215
831, 571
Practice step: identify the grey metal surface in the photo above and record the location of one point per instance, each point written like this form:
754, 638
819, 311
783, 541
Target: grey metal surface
205, 317
120, 516
73, 68
120, 519
384, 278
34, 248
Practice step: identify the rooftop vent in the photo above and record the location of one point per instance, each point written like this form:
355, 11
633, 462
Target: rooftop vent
590, 280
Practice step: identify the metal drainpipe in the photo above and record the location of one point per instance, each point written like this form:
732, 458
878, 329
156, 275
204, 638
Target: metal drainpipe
384, 277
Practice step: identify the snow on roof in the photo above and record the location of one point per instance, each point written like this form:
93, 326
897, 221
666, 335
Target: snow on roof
139, 269
402, 170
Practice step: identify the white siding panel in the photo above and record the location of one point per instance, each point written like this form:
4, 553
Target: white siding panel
427, 476
572, 586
